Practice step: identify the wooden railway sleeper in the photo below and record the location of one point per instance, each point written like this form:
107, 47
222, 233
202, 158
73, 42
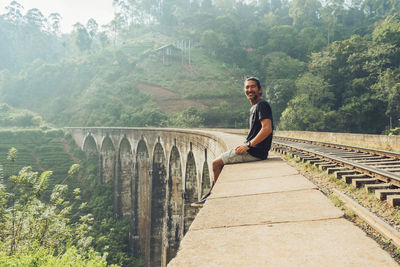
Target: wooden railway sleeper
324, 167
308, 158
335, 169
383, 193
322, 163
316, 160
300, 156
369, 188
349, 178
393, 200
297, 155
359, 182
279, 150
339, 174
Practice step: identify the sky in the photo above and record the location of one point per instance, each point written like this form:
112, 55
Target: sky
72, 11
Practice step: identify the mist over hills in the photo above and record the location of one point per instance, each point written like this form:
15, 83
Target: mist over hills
125, 86
323, 67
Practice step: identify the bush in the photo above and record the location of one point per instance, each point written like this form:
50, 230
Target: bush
45, 258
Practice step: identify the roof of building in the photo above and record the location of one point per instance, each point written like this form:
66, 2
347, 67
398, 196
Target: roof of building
168, 46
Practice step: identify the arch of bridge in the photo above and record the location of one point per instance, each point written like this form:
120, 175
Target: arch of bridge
203, 146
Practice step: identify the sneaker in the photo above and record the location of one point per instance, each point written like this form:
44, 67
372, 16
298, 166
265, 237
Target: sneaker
205, 196
199, 204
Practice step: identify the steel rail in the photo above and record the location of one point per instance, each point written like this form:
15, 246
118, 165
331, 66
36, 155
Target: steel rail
382, 175
341, 146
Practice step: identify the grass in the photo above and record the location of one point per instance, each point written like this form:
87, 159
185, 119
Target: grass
204, 78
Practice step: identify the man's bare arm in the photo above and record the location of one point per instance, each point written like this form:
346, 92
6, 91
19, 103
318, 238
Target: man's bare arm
266, 130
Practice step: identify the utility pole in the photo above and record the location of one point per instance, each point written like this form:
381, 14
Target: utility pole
189, 52
183, 52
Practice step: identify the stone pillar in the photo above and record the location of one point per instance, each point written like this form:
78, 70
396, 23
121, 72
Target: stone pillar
175, 205
158, 207
191, 192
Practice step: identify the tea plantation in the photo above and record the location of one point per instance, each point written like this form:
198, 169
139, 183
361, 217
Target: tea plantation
42, 150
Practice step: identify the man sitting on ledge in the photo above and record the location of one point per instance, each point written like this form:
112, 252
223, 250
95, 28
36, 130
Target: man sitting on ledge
258, 141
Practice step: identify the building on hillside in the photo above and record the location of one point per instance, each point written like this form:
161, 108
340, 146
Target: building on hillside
169, 53
248, 49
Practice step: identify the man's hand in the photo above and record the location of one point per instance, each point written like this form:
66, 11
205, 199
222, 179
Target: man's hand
241, 149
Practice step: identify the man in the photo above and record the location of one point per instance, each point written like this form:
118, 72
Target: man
258, 141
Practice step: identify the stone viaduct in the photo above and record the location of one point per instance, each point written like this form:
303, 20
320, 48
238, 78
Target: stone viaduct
156, 173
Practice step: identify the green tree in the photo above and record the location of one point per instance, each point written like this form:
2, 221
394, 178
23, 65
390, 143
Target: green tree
35, 18
305, 13
301, 115
380, 8
388, 31
54, 21
14, 12
25, 38
283, 38
224, 4
186, 119
82, 39
331, 15
37, 232
317, 90
310, 40
129, 10
210, 41
281, 74
92, 28
258, 36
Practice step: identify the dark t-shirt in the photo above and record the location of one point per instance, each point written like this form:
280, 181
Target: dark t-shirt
259, 111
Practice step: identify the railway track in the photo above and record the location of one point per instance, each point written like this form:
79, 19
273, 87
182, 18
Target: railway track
377, 170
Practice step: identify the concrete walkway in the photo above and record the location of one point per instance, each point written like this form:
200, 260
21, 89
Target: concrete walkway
267, 214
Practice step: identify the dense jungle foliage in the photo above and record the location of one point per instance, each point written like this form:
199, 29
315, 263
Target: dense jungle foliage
325, 65
60, 217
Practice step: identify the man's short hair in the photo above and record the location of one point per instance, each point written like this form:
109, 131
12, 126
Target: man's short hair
254, 79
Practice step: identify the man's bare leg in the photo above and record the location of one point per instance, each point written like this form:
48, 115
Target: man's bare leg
217, 165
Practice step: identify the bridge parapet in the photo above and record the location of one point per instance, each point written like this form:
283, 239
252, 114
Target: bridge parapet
376, 141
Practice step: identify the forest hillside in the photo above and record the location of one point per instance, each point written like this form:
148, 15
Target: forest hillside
324, 66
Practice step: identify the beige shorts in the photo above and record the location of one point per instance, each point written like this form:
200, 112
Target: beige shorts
230, 157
